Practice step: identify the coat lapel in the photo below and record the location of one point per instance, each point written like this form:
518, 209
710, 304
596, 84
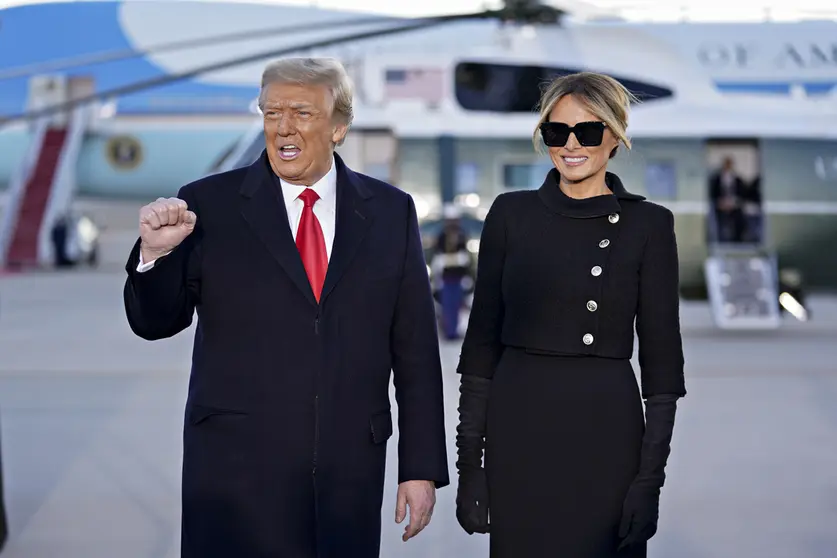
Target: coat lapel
264, 210
354, 217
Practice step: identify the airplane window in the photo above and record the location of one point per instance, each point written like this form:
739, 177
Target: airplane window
513, 88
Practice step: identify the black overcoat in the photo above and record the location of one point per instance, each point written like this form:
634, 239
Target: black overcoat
288, 412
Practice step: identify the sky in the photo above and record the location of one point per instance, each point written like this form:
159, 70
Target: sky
648, 10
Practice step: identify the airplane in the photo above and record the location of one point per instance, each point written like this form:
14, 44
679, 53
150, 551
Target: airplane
444, 110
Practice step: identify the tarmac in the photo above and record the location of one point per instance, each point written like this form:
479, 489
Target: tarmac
92, 416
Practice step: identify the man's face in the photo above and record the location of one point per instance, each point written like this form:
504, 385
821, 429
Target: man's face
300, 131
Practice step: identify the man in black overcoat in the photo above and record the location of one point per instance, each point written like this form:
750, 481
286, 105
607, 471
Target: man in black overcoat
310, 287
726, 191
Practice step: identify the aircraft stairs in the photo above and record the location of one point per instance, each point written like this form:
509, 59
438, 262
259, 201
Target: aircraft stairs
743, 285
41, 192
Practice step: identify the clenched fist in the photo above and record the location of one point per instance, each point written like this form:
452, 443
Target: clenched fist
163, 225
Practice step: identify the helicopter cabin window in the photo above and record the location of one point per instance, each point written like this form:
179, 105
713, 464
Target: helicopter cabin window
515, 88
525, 176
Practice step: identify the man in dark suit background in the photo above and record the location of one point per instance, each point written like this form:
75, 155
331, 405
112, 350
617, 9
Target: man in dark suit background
725, 192
310, 287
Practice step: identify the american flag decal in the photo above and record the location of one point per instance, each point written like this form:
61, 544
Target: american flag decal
427, 84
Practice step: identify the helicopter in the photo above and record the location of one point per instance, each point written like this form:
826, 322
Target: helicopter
658, 123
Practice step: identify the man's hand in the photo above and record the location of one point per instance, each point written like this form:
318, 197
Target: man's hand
421, 497
163, 225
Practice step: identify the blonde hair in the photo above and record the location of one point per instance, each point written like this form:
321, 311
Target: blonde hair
602, 95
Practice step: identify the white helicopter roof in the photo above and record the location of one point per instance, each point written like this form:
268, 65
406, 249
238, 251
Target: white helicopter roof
696, 107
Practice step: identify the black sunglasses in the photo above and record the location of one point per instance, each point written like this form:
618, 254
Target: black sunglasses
588, 134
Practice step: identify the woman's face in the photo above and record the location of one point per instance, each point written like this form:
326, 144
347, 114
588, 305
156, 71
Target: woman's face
575, 162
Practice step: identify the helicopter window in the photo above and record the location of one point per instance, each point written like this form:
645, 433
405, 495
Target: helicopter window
515, 88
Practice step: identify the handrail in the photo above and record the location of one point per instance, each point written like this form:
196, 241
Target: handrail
17, 185
63, 186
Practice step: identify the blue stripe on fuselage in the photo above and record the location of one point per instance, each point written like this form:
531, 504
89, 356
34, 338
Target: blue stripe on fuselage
777, 87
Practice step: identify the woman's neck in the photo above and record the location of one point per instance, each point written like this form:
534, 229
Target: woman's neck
587, 188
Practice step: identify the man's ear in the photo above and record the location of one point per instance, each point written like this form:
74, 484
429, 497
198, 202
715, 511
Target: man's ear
339, 133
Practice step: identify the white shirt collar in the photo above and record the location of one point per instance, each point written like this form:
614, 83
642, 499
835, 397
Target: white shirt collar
326, 188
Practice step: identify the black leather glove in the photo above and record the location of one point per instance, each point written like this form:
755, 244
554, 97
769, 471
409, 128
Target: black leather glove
472, 493
4, 530
640, 510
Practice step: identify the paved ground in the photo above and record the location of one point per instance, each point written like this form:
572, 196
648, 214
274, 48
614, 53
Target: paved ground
91, 420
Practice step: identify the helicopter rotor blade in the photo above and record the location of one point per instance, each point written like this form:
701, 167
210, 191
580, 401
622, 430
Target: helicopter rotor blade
274, 53
102, 57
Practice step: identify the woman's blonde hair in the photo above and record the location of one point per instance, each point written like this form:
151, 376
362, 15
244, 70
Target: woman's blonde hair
602, 95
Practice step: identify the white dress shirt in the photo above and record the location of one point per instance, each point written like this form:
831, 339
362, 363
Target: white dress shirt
325, 209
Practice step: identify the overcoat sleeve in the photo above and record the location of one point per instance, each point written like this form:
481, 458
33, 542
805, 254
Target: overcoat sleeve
658, 313
161, 301
481, 348
417, 369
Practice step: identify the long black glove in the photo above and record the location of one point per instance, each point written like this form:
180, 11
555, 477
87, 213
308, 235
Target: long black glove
4, 530
472, 493
640, 510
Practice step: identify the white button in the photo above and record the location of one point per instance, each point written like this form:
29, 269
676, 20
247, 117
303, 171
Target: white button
588, 339
604, 243
613, 217
591, 305
596, 271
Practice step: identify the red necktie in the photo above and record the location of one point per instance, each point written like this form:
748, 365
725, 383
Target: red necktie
311, 243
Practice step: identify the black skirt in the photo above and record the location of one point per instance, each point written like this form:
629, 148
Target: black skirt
563, 443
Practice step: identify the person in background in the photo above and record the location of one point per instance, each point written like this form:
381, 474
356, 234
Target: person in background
548, 394
725, 191
59, 235
751, 208
451, 264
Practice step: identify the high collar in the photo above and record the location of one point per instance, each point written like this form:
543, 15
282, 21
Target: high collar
551, 194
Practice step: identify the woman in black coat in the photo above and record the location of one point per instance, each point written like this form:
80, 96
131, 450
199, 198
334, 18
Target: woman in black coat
547, 388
